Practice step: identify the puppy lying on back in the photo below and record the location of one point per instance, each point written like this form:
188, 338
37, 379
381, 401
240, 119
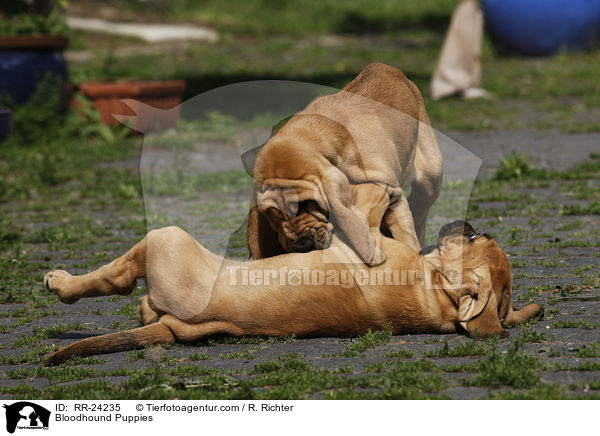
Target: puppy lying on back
463, 284
342, 162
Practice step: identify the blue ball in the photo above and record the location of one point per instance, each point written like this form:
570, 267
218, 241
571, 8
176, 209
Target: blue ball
543, 27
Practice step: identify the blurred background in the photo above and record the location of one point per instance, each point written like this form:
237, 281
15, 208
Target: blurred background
64, 66
213, 43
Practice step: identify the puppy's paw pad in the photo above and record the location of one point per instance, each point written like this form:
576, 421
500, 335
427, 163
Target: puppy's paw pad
58, 281
58, 277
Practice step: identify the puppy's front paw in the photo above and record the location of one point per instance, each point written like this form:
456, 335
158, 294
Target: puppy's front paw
60, 282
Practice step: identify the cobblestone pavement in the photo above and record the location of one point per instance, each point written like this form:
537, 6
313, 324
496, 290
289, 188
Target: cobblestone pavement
549, 227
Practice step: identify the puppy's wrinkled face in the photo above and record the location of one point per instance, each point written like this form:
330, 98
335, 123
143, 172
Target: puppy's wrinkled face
483, 287
304, 229
297, 215
483, 249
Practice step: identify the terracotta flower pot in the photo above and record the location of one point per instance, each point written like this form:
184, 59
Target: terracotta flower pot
151, 105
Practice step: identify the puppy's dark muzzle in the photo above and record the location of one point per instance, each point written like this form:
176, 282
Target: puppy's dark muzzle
305, 245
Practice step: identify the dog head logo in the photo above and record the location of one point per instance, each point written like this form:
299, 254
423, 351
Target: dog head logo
26, 415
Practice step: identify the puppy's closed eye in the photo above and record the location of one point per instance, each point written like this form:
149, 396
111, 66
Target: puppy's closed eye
313, 208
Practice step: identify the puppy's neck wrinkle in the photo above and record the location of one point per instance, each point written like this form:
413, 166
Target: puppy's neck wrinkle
442, 294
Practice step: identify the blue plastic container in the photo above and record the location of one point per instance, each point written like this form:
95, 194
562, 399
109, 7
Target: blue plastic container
22, 70
5, 123
543, 27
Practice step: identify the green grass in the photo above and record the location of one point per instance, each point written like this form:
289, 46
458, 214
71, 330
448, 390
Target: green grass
518, 263
369, 340
592, 208
593, 384
471, 348
213, 126
586, 366
528, 335
405, 353
174, 182
579, 324
41, 333
285, 377
512, 368
29, 314
550, 263
129, 310
199, 356
134, 356
244, 355
516, 167
381, 380
32, 356
68, 235
57, 375
543, 391
263, 17
589, 350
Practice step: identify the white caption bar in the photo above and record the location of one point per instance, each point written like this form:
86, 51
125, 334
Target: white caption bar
163, 417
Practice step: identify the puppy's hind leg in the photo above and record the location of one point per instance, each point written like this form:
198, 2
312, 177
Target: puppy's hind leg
398, 223
166, 330
427, 183
422, 197
145, 313
118, 277
428, 166
186, 332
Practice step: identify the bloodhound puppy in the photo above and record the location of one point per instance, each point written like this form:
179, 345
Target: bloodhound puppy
374, 136
462, 284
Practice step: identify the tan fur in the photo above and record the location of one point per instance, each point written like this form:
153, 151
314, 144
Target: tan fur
192, 294
374, 132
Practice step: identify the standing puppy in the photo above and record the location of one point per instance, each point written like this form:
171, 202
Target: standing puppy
341, 164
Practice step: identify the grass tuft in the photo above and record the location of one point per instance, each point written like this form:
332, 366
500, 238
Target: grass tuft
367, 341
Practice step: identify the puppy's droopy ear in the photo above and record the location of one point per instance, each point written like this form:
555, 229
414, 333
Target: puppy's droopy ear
355, 227
478, 306
263, 241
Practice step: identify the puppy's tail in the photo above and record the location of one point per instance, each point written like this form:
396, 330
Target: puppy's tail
122, 341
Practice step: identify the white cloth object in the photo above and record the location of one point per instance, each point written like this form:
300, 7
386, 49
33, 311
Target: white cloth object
459, 66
